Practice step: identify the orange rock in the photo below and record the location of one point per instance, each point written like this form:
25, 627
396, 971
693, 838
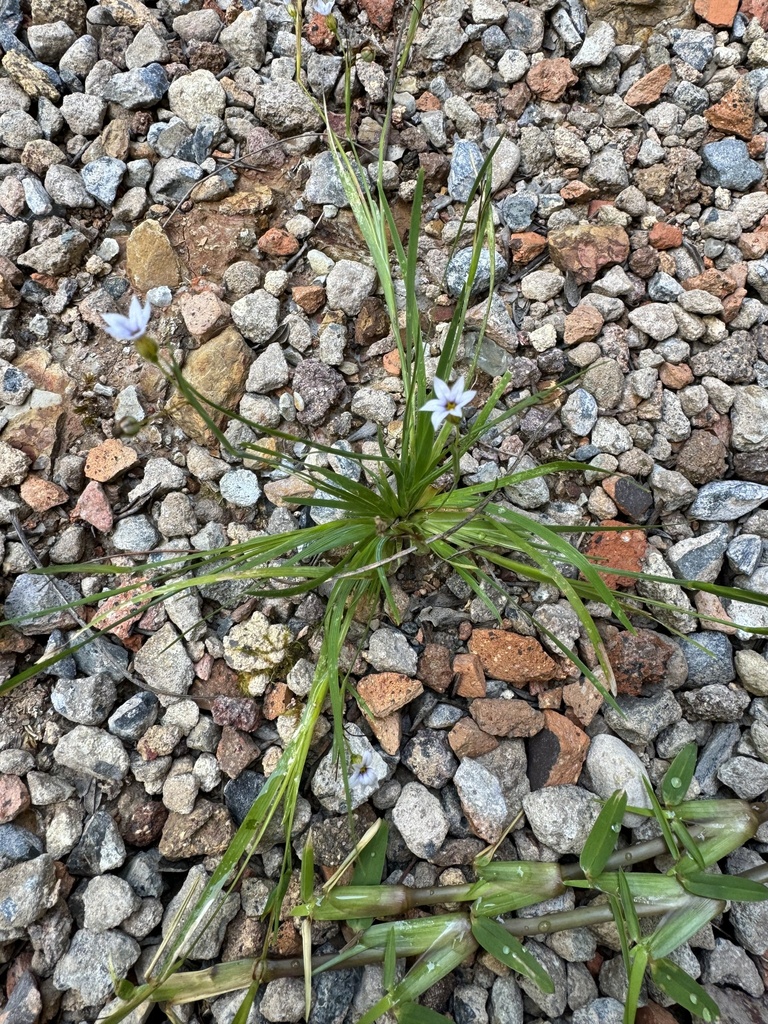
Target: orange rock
277, 242
108, 460
385, 692
467, 739
309, 297
551, 698
619, 549
575, 191
715, 281
471, 678
556, 754
717, 12
427, 101
665, 236
379, 12
277, 702
644, 658
675, 375
583, 324
585, 249
583, 699
753, 244
648, 89
735, 113
501, 717
93, 507
388, 731
391, 362
756, 145
41, 494
550, 79
317, 32
732, 304
526, 246
512, 658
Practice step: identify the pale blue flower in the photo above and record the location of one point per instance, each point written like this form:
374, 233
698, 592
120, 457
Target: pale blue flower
323, 6
448, 403
362, 772
131, 327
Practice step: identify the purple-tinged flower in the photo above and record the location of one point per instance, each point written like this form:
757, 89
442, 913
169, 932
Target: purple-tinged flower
362, 772
131, 327
448, 403
323, 6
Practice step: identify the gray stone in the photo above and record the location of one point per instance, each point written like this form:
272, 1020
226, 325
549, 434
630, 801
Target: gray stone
655, 319
107, 901
607, 170
696, 48
283, 1001
139, 88
600, 1011
269, 371
524, 27
56, 255
324, 185
561, 816
240, 487
164, 663
84, 113
92, 960
443, 38
747, 777
643, 718
205, 941
256, 315
506, 1001
482, 799
727, 964
517, 210
285, 108
699, 558
466, 161
457, 273
18, 844
147, 48
551, 1004
15, 384
725, 500
93, 752
172, 179
389, 651
715, 703
726, 164
132, 719
197, 95
420, 819
348, 284
65, 186
744, 552
579, 414
599, 43
17, 128
27, 890
102, 178
100, 848
34, 596
245, 40
373, 405
709, 657
85, 701
613, 766
430, 758
135, 533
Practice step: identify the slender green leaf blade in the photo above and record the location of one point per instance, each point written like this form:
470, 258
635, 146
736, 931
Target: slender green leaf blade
628, 907
510, 951
636, 976
725, 887
661, 818
601, 841
307, 870
674, 982
390, 962
679, 775
412, 1013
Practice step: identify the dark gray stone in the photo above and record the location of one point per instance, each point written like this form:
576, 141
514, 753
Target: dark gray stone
457, 273
138, 89
517, 210
430, 758
466, 162
18, 844
132, 719
706, 668
101, 847
38, 596
725, 500
727, 164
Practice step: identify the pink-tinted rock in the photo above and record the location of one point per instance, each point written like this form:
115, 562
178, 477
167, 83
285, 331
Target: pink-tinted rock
93, 507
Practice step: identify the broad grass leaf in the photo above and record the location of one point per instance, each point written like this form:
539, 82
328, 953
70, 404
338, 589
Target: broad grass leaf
679, 776
601, 841
510, 951
674, 982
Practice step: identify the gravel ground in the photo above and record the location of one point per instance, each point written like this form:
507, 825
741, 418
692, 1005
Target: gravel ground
165, 149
